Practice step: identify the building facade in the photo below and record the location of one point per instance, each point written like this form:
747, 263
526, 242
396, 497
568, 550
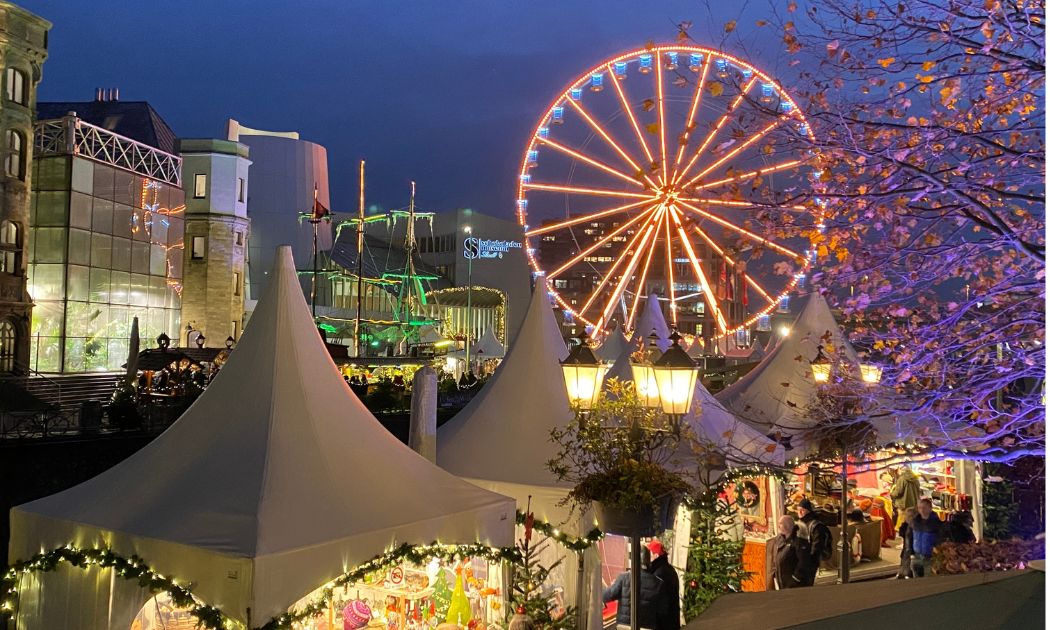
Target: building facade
106, 236
23, 49
216, 238
285, 171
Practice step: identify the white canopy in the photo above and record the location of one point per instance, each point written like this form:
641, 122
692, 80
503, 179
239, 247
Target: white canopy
652, 319
503, 435
613, 345
488, 347
275, 481
773, 397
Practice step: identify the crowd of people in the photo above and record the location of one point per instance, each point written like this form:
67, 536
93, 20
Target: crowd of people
800, 547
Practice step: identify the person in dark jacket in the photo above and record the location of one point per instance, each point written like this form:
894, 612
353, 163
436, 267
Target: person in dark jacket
650, 597
670, 617
905, 534
783, 554
925, 533
814, 544
960, 528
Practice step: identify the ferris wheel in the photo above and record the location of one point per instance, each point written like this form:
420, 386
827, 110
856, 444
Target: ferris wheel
674, 170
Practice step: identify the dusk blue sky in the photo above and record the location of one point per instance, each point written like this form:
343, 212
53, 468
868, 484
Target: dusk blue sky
443, 92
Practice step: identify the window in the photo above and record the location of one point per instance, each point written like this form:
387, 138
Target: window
239, 238
197, 252
14, 161
236, 283
15, 81
7, 346
240, 189
200, 185
10, 247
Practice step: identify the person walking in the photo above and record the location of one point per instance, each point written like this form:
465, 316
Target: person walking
783, 555
925, 535
650, 597
905, 493
814, 545
669, 617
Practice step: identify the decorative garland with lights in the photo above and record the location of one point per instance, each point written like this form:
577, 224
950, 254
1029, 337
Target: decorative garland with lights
418, 555
133, 568
565, 540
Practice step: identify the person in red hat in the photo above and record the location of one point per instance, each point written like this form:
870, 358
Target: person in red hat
660, 566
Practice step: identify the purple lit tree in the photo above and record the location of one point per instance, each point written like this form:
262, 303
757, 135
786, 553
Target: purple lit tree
929, 122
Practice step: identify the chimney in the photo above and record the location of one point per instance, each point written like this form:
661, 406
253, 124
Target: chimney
98, 95
116, 94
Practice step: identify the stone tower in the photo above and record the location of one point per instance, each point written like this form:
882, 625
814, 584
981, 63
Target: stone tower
215, 181
23, 49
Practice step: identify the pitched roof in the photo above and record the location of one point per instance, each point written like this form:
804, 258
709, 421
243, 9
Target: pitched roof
277, 463
132, 119
515, 410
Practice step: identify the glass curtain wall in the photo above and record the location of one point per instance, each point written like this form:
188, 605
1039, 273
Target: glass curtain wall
105, 246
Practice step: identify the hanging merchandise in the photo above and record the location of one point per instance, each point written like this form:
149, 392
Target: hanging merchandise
356, 615
459, 610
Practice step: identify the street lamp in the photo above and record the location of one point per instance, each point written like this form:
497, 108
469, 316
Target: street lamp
470, 289
669, 382
870, 374
584, 375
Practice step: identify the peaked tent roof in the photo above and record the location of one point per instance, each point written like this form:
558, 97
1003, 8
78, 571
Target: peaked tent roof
741, 444
277, 473
488, 346
503, 434
774, 395
613, 345
652, 318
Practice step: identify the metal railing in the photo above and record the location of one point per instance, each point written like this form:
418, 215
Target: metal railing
71, 136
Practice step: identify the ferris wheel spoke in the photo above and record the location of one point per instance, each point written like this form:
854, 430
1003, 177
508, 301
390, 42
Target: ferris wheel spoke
616, 264
728, 156
630, 116
615, 145
718, 126
670, 268
593, 162
729, 259
697, 96
751, 174
625, 277
744, 231
660, 118
587, 217
698, 271
578, 257
575, 190
641, 285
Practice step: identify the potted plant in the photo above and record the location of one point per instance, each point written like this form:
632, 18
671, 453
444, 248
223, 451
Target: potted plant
123, 408
618, 456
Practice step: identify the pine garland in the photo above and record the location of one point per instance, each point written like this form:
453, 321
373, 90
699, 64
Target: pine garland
211, 618
131, 568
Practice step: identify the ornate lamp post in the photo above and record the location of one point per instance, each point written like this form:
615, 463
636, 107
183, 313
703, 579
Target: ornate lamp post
870, 373
668, 384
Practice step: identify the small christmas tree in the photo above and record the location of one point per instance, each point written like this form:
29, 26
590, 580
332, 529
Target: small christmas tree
716, 562
526, 597
442, 597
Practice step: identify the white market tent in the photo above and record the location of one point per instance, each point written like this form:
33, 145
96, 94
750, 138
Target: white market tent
488, 346
274, 482
613, 345
773, 396
652, 319
501, 439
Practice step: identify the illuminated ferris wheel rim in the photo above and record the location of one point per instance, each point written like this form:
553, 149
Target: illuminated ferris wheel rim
662, 192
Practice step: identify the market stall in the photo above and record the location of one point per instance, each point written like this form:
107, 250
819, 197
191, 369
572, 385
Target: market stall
501, 440
275, 482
